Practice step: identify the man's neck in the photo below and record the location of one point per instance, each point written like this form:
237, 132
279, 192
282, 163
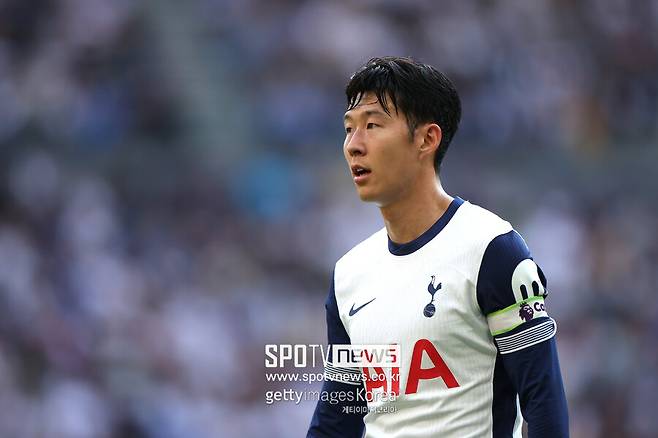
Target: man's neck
410, 217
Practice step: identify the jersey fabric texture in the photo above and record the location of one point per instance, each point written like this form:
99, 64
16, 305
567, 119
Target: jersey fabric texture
465, 303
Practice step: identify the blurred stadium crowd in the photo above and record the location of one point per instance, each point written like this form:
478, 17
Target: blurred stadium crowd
172, 196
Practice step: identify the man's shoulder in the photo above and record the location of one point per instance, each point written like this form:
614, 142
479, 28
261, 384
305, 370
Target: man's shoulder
366, 250
480, 223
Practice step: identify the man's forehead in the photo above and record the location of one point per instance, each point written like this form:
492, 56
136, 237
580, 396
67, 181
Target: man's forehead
368, 102
368, 98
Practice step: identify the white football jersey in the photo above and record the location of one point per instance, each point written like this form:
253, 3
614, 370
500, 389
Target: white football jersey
452, 320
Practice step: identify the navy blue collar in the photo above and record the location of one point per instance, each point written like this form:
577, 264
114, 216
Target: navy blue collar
400, 249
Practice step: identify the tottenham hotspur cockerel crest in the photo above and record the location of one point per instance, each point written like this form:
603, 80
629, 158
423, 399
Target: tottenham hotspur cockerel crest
429, 309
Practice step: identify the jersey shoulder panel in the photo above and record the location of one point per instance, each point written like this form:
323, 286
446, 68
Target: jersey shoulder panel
360, 258
469, 234
483, 224
376, 242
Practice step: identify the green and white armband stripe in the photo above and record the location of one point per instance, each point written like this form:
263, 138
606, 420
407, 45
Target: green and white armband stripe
507, 319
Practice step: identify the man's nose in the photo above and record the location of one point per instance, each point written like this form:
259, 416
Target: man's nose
356, 145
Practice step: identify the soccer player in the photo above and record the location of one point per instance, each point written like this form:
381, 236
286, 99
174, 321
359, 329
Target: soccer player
452, 284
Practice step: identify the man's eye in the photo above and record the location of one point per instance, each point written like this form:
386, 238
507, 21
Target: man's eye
348, 130
370, 125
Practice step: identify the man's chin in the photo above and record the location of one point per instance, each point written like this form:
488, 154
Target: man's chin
378, 198
367, 195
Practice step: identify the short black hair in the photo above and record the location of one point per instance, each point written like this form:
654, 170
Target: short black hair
419, 91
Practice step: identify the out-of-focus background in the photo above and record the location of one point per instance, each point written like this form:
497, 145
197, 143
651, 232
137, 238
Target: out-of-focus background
172, 196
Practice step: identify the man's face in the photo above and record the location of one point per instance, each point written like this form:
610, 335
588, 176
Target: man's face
379, 151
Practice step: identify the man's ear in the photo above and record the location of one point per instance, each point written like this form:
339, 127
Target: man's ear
431, 138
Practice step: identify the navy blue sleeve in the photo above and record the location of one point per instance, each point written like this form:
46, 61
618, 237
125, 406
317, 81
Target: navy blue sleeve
334, 418
535, 374
511, 290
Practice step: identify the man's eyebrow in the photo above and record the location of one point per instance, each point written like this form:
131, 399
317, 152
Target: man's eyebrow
376, 113
367, 113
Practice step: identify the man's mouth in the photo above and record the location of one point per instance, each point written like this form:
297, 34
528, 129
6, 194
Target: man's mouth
358, 170
360, 174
